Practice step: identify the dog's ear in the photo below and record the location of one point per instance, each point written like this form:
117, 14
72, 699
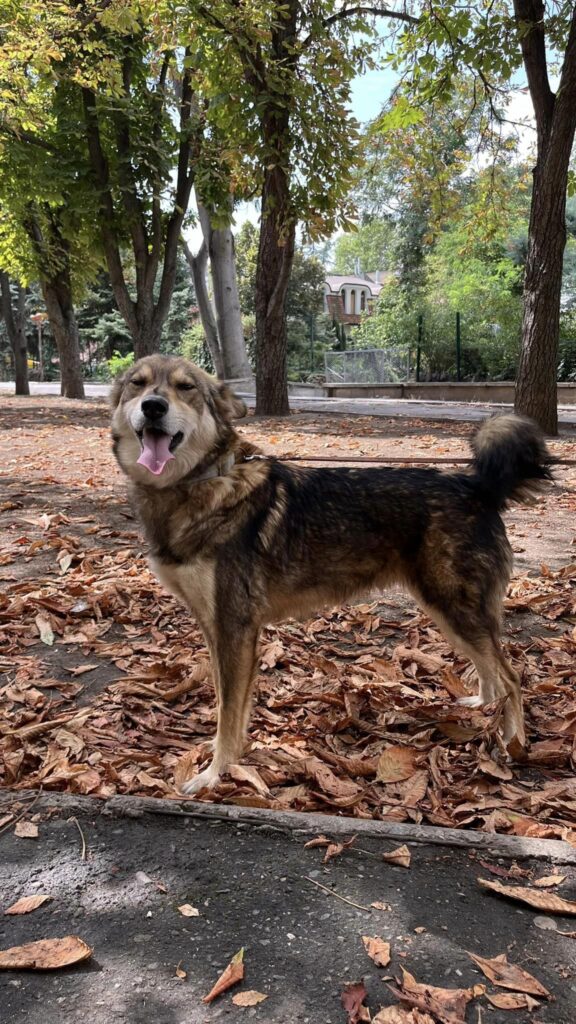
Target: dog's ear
117, 388
228, 404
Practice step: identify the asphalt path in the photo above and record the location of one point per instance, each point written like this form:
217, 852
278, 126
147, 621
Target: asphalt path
256, 887
466, 412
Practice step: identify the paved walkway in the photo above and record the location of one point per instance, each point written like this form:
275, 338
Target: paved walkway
255, 886
412, 409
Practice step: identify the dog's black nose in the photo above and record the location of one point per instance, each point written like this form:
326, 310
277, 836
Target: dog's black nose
154, 408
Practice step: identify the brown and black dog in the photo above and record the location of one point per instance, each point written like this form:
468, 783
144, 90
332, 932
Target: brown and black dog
244, 543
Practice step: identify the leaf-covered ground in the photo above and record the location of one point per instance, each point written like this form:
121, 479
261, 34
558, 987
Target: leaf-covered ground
105, 684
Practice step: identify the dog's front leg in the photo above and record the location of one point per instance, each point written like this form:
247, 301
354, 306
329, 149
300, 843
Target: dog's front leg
233, 657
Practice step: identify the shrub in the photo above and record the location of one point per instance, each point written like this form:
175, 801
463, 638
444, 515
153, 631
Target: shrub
119, 364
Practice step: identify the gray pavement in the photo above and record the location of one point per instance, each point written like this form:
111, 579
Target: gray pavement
255, 886
412, 409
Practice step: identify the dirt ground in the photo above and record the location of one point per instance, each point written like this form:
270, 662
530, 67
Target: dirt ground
106, 689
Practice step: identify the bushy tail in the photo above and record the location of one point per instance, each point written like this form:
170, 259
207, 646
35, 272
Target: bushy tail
511, 460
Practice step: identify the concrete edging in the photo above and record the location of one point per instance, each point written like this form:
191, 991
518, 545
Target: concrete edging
297, 823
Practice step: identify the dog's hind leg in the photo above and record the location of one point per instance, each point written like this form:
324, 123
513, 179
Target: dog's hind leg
233, 656
475, 631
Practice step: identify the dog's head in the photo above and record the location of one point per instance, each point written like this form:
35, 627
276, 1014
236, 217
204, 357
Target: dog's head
168, 416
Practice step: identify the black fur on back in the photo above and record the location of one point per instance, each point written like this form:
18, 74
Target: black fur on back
511, 460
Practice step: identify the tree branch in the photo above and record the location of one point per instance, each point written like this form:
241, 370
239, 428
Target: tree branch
109, 236
135, 219
159, 99
7, 311
529, 15
379, 12
198, 266
27, 137
184, 182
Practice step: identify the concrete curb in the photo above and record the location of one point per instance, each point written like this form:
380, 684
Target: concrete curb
297, 823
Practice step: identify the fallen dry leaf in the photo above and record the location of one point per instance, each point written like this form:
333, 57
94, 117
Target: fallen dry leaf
401, 857
181, 973
378, 950
402, 1015
250, 998
533, 897
187, 910
352, 998
27, 904
447, 1004
271, 655
45, 630
381, 906
396, 764
45, 955
548, 880
26, 830
506, 975
512, 1001
231, 976
318, 841
244, 773
186, 767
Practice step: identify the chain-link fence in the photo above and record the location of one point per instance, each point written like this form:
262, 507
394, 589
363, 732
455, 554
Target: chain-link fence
368, 366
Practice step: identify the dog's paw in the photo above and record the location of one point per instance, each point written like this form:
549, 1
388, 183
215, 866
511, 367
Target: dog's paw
471, 702
205, 780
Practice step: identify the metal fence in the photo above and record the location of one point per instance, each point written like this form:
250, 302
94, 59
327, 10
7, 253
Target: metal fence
368, 366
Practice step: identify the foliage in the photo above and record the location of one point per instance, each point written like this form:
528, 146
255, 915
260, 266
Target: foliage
367, 249
193, 346
462, 272
305, 296
308, 340
119, 363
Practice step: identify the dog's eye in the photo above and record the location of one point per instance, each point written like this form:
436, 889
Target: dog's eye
183, 386
138, 382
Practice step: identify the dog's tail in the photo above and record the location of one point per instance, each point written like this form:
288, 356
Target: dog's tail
511, 460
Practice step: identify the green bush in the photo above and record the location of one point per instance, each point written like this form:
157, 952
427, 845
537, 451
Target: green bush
193, 346
119, 364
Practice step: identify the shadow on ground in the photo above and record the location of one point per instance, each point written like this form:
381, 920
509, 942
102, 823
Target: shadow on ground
251, 886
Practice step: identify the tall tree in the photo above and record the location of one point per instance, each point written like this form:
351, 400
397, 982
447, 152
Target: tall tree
286, 68
219, 242
135, 139
51, 250
198, 265
555, 113
131, 162
13, 304
492, 43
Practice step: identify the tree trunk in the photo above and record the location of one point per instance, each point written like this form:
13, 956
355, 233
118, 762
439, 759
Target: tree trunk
275, 257
147, 332
536, 386
16, 329
278, 223
220, 244
198, 265
58, 300
555, 113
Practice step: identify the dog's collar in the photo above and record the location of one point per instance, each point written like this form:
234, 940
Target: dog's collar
219, 468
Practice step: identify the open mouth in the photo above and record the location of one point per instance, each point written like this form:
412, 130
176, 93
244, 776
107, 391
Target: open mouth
157, 448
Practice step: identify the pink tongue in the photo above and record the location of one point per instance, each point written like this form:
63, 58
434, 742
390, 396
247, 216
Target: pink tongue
155, 452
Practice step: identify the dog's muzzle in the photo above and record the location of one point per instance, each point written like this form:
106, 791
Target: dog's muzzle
158, 444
